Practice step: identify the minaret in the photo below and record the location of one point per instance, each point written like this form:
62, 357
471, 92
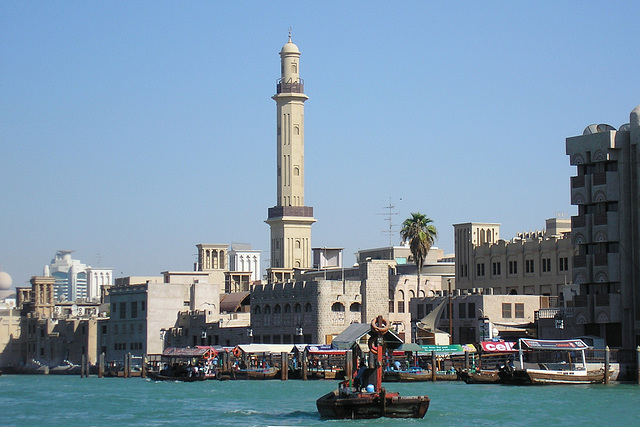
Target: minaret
290, 220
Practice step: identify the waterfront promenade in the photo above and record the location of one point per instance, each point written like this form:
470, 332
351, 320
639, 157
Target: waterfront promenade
30, 400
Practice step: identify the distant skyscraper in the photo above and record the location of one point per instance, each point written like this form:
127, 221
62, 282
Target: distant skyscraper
72, 281
290, 220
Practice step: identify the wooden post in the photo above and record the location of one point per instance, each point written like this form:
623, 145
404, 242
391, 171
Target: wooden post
607, 355
305, 356
638, 364
466, 360
101, 366
434, 369
348, 366
83, 365
143, 373
284, 366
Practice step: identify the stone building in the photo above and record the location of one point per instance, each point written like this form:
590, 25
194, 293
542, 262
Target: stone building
532, 263
606, 231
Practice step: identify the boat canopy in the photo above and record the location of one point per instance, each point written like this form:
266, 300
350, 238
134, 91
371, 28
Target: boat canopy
266, 348
348, 339
448, 349
324, 349
554, 344
178, 352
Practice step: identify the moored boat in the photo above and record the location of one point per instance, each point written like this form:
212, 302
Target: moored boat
550, 362
479, 376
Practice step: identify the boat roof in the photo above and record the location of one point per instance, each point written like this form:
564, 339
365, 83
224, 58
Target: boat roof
266, 348
349, 337
177, 352
448, 349
574, 344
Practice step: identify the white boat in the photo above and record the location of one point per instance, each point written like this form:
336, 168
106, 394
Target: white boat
550, 362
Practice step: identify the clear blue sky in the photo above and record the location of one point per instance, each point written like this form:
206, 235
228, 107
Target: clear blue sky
132, 131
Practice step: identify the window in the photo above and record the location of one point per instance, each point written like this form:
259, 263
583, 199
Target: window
506, 310
497, 268
256, 309
267, 309
462, 310
277, 309
308, 308
420, 311
297, 308
519, 310
337, 306
480, 269
563, 263
185, 303
287, 308
400, 306
104, 329
123, 310
392, 306
513, 267
546, 265
471, 312
142, 305
113, 308
528, 266
134, 309
355, 307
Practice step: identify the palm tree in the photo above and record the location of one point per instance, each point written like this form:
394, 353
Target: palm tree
420, 232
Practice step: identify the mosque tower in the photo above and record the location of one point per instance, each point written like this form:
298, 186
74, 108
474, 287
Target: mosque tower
290, 220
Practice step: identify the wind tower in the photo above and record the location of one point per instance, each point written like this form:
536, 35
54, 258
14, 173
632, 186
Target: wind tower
290, 220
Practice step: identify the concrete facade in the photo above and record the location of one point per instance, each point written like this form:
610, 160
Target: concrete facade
606, 231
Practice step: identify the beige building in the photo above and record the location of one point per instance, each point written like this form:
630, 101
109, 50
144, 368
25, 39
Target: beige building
290, 220
476, 316
532, 263
606, 231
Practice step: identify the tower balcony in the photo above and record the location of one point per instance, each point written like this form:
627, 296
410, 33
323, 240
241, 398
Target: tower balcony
300, 211
290, 87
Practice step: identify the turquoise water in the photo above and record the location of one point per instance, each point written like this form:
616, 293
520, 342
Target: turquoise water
74, 401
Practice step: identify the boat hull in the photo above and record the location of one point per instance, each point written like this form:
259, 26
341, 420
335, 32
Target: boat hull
155, 376
480, 377
353, 405
255, 374
540, 377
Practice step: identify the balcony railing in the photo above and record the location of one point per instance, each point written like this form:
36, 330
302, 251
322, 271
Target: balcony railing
600, 219
578, 221
290, 87
577, 181
579, 261
600, 178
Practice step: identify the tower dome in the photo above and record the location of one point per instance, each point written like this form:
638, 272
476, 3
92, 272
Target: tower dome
290, 47
5, 281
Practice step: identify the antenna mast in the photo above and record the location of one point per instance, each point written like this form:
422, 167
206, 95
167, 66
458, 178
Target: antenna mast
389, 217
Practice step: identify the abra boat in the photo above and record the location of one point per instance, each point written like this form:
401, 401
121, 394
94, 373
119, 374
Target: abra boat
479, 376
188, 364
352, 401
550, 362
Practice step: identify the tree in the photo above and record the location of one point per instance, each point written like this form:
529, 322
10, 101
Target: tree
420, 232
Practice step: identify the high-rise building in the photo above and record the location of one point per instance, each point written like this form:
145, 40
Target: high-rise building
70, 277
606, 230
290, 220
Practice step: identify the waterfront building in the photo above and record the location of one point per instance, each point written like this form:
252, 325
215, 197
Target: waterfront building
532, 263
290, 220
606, 231
244, 259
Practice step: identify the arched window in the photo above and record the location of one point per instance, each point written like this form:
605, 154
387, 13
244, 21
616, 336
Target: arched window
355, 307
256, 310
277, 309
267, 309
337, 306
287, 308
297, 308
308, 308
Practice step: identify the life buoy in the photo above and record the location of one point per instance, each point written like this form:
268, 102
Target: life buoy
206, 356
237, 352
373, 348
380, 325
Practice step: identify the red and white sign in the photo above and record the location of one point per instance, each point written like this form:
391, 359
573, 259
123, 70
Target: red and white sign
495, 346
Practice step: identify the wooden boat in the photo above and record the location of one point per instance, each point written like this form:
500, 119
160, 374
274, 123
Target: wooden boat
157, 376
255, 373
354, 404
544, 366
479, 376
373, 401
